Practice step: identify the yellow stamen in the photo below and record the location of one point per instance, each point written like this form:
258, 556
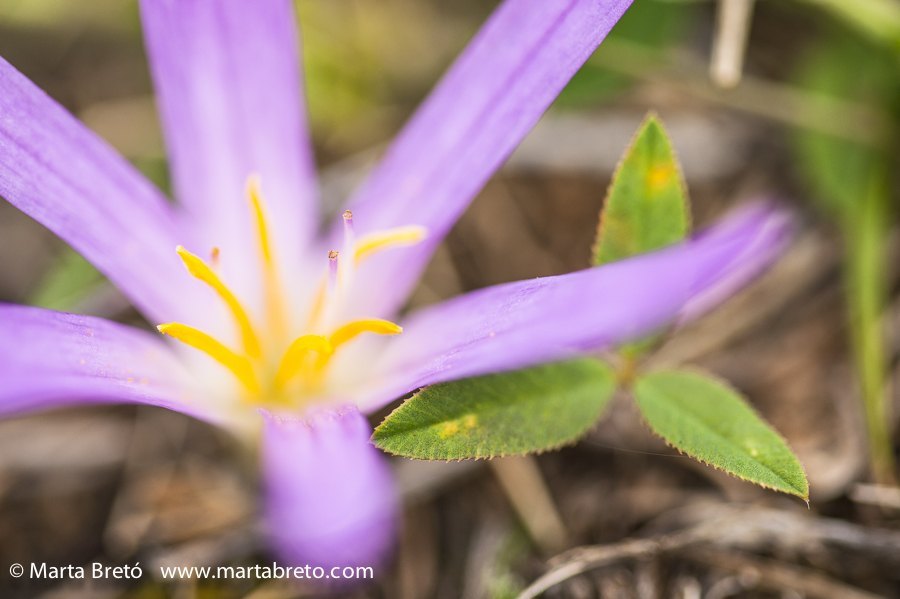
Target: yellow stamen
239, 365
355, 328
255, 364
274, 298
390, 238
202, 271
313, 352
296, 357
259, 216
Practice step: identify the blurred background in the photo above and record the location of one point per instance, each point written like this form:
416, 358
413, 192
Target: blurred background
796, 100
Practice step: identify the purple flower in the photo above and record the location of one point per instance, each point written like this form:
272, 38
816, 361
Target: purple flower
285, 336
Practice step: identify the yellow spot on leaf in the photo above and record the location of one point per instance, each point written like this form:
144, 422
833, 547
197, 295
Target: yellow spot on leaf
660, 176
454, 427
448, 429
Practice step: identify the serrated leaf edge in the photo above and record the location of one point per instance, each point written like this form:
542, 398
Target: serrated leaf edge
756, 413
651, 115
480, 455
489, 456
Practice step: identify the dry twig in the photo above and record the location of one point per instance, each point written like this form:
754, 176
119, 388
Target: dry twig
777, 576
730, 43
745, 527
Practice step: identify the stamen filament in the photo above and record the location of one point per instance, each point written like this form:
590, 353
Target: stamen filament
390, 238
239, 365
202, 271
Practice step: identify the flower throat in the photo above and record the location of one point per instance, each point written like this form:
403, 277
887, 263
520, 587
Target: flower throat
271, 369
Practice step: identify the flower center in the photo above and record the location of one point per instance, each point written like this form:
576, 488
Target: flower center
270, 368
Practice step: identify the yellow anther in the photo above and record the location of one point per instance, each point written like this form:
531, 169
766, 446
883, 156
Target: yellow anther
202, 271
311, 353
298, 356
274, 298
239, 365
381, 240
259, 216
355, 328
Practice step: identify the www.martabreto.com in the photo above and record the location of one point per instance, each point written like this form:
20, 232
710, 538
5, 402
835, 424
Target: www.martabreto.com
267, 572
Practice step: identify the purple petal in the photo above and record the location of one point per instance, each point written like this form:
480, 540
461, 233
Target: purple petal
491, 97
227, 76
520, 324
331, 498
52, 359
775, 230
63, 176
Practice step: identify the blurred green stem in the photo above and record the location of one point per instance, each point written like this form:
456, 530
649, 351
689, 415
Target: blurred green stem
866, 232
878, 19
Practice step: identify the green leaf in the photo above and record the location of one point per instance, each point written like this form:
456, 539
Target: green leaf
646, 207
710, 422
501, 414
69, 281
